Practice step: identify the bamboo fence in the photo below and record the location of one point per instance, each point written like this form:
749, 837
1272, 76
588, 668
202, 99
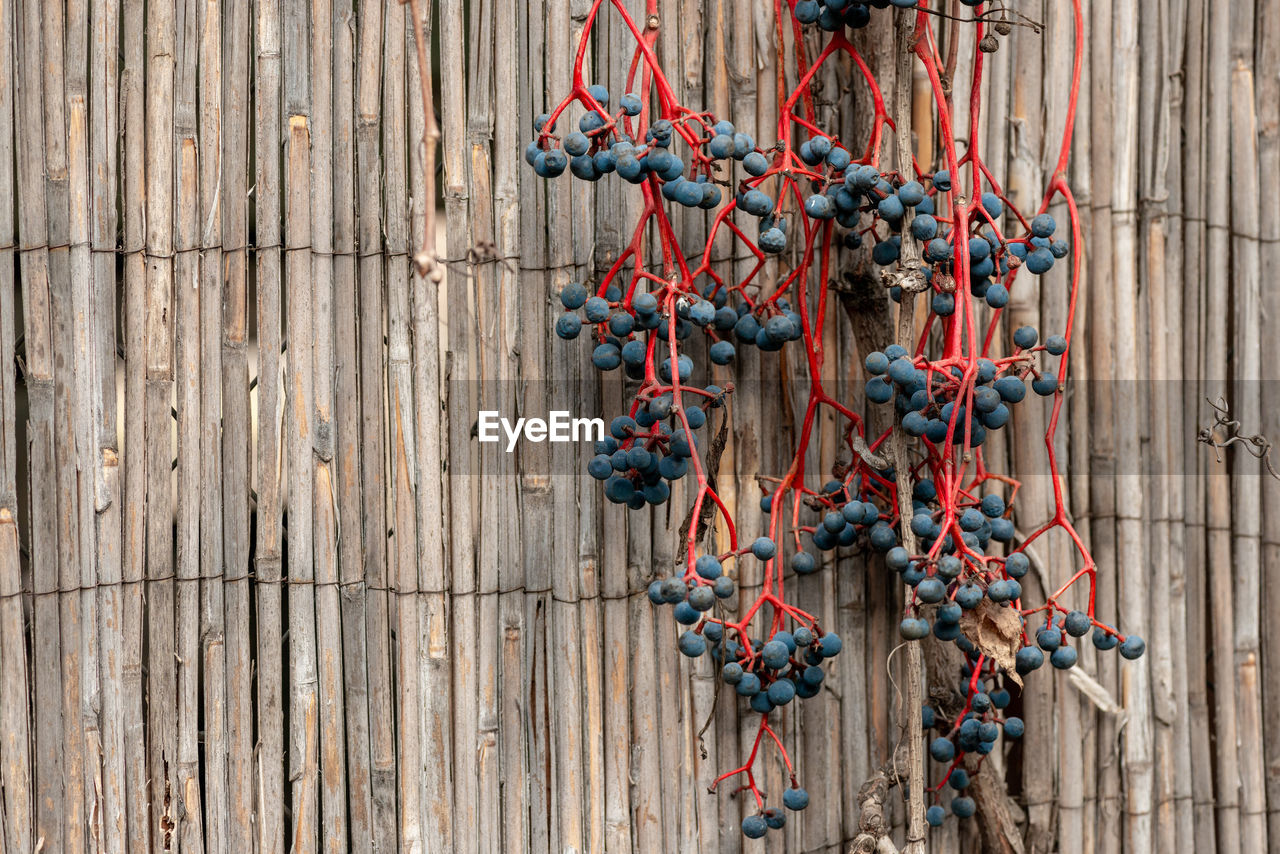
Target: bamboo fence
262, 591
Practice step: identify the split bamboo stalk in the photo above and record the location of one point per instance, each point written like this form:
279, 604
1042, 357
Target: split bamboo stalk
606, 575
525, 748
569, 224
134, 483
162, 687
15, 684
461, 379
300, 427
232, 175
400, 405
1079, 418
1054, 294
213, 686
83, 390
494, 333
188, 369
1024, 182
1176, 343
1194, 262
1246, 405
1218, 500
269, 766
914, 683
34, 272
103, 444
1267, 97
59, 121
373, 424
436, 649
1134, 605
188, 372
325, 514
347, 443
1152, 232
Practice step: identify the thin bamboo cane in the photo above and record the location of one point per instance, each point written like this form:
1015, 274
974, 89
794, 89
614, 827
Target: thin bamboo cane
61, 119
347, 443
436, 649
1246, 403
84, 390
492, 200
299, 437
232, 175
162, 687
461, 391
211, 637
1041, 756
1267, 97
188, 371
1176, 343
15, 684
133, 477
400, 405
373, 423
1218, 499
268, 136
325, 514
1195, 164
528, 828
110, 822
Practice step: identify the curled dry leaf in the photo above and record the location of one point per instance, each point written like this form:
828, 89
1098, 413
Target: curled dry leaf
996, 632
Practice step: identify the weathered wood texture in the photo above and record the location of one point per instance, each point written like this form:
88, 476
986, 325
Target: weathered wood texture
262, 591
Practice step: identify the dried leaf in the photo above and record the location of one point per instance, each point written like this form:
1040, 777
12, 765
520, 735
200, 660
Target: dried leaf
996, 632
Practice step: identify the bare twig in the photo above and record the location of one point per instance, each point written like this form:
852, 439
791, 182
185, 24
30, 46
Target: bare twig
424, 261
1258, 445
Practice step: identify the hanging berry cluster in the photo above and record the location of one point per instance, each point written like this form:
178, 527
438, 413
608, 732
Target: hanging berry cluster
815, 194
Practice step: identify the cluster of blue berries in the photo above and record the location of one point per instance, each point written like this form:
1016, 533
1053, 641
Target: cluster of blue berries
692, 599
1054, 638
927, 401
846, 520
599, 148
641, 456
976, 731
832, 15
620, 328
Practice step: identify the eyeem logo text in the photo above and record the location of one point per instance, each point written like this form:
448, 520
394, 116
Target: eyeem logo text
559, 427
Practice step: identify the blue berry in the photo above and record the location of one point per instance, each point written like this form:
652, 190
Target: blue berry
942, 749
1017, 565
763, 548
1043, 225
795, 799
782, 692
1045, 385
1132, 647
831, 645
1077, 623
748, 685
1064, 657
913, 629
692, 644
754, 827
1028, 659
